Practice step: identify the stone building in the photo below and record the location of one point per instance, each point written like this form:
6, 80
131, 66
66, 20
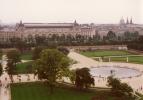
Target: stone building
23, 30
53, 28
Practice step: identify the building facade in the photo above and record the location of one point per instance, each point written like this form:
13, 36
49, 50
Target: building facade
23, 30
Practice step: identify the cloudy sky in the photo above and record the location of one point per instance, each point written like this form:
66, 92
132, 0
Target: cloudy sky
84, 11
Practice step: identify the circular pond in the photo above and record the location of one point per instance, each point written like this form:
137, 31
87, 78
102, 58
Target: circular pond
116, 71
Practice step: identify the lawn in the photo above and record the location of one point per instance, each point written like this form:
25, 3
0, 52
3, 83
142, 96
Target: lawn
38, 91
26, 56
25, 67
102, 53
138, 60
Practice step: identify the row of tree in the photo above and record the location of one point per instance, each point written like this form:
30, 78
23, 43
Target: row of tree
55, 39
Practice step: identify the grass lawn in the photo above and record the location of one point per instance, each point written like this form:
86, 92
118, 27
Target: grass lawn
38, 91
101, 53
138, 60
27, 56
120, 59
24, 67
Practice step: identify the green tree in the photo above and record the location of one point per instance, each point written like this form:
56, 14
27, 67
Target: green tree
1, 70
119, 88
64, 50
111, 36
10, 69
40, 40
72, 76
37, 51
83, 78
51, 66
14, 56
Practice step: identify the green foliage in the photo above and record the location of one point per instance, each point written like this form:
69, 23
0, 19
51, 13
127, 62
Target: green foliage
37, 51
72, 76
11, 69
51, 66
111, 36
131, 36
118, 88
83, 78
14, 56
64, 50
1, 69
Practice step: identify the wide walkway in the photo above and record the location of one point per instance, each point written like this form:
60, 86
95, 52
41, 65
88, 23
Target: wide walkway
4, 88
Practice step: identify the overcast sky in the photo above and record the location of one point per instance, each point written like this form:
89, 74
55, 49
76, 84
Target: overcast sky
84, 11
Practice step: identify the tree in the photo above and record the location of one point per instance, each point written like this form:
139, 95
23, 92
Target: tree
1, 70
111, 36
10, 69
14, 56
72, 76
40, 40
96, 37
114, 83
21, 45
64, 50
140, 39
37, 51
83, 78
119, 88
51, 66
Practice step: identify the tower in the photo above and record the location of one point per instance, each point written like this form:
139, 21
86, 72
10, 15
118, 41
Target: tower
75, 23
127, 22
131, 21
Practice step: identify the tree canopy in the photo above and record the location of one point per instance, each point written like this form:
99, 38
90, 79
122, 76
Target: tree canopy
83, 78
1, 70
51, 66
14, 56
119, 88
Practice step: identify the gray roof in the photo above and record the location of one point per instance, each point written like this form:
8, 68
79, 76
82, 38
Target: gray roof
47, 25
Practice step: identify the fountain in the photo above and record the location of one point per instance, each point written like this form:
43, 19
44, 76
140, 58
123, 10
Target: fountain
116, 71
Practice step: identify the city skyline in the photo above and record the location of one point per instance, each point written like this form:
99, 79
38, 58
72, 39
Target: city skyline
87, 11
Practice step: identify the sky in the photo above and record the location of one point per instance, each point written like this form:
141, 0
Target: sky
83, 11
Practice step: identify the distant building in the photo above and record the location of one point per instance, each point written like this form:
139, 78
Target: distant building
23, 30
53, 28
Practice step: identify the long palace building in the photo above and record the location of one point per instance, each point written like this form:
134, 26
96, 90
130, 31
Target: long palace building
23, 30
